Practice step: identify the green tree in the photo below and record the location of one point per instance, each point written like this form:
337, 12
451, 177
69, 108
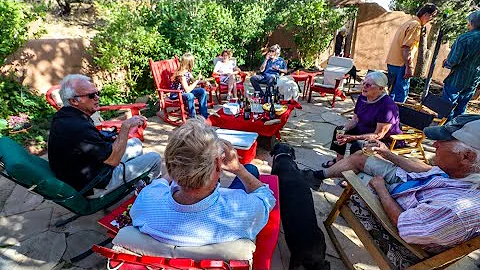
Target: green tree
14, 19
313, 24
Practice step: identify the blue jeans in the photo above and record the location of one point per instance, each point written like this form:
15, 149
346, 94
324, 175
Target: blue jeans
237, 183
258, 79
461, 97
401, 86
201, 95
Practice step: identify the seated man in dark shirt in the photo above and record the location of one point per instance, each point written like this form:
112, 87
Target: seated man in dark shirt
79, 154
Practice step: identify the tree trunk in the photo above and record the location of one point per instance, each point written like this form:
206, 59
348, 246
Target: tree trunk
422, 56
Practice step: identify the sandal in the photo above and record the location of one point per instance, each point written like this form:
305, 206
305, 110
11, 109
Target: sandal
343, 183
329, 163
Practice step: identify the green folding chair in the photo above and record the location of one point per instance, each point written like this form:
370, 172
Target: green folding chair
34, 174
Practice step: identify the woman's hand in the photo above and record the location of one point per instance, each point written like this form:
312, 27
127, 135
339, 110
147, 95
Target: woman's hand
230, 162
200, 77
343, 139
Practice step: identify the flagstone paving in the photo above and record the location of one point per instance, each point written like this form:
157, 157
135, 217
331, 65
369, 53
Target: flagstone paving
29, 239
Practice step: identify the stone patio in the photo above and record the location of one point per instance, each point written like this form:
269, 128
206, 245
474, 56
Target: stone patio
29, 239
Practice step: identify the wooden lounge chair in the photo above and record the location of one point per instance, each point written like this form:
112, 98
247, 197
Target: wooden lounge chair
425, 260
265, 245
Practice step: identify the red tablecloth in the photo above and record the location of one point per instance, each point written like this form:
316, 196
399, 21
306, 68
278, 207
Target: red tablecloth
230, 122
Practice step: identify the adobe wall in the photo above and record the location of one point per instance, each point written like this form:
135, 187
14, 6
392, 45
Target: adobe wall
42, 63
375, 31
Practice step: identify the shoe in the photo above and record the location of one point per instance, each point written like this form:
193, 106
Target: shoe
329, 163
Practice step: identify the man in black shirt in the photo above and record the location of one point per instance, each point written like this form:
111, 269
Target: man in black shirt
78, 154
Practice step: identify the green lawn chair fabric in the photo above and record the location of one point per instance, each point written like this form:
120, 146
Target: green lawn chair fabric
33, 172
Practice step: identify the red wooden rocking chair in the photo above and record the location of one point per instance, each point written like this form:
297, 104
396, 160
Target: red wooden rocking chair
326, 89
162, 72
53, 98
265, 245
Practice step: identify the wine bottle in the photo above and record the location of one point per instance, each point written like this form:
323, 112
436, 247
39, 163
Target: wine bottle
272, 109
248, 110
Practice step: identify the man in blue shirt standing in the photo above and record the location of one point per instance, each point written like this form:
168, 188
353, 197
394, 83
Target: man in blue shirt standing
270, 69
464, 64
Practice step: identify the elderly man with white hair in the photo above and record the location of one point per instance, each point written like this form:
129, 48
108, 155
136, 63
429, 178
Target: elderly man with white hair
81, 156
464, 64
436, 207
375, 117
270, 69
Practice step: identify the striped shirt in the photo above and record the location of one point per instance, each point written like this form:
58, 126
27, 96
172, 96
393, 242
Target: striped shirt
464, 62
440, 214
225, 215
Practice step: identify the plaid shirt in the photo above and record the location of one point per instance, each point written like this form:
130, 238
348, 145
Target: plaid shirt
464, 62
440, 214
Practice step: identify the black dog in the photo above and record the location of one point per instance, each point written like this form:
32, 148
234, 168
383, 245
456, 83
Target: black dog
304, 238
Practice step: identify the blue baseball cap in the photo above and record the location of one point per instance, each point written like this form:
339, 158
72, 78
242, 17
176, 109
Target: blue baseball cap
465, 128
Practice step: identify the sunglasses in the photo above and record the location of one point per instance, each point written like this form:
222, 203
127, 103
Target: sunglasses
90, 95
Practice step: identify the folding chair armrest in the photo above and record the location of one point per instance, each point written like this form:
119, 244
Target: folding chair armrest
407, 136
133, 108
243, 75
376, 209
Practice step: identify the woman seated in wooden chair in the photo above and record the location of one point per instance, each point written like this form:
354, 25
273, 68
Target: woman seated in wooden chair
227, 69
183, 79
375, 118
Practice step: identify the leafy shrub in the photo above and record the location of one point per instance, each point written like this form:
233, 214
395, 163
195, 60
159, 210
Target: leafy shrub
16, 99
136, 31
14, 19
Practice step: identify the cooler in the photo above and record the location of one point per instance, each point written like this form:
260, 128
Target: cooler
244, 142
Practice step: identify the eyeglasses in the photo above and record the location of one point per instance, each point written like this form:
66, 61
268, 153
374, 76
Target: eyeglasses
367, 85
90, 95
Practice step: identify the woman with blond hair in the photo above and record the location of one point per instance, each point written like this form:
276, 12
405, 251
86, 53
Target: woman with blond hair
183, 80
227, 69
190, 208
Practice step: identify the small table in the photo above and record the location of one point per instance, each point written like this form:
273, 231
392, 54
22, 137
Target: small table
238, 123
302, 78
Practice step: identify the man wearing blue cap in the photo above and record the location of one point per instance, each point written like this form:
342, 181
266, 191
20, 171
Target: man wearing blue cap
436, 207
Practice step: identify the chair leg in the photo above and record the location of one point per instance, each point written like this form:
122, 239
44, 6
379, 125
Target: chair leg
62, 222
89, 252
218, 96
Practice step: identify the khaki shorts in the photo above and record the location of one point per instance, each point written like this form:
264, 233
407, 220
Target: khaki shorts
380, 167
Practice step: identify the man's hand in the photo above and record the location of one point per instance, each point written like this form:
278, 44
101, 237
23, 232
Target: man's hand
377, 182
379, 147
134, 121
230, 161
408, 72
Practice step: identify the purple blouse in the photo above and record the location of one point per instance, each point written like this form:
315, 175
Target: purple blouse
384, 110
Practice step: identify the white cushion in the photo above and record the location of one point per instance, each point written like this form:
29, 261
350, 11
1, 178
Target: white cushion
325, 85
340, 62
133, 240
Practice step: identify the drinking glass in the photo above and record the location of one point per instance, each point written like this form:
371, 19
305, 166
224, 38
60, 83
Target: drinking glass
367, 148
339, 132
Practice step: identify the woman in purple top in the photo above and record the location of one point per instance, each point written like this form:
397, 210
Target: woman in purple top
183, 79
375, 117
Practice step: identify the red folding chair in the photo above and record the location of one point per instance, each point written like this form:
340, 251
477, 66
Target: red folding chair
265, 245
162, 72
324, 89
53, 98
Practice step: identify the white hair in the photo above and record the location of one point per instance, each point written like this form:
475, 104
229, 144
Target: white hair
460, 147
474, 19
378, 78
68, 85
